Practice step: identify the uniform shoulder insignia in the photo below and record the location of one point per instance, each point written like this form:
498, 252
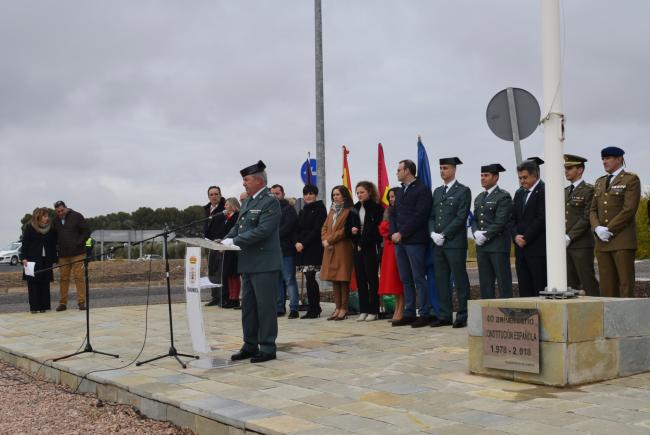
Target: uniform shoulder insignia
602, 177
630, 173
588, 184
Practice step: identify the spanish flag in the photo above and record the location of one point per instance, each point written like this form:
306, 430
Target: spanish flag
382, 177
346, 170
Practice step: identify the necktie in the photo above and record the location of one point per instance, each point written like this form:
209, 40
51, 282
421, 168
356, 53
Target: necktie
523, 203
609, 178
571, 190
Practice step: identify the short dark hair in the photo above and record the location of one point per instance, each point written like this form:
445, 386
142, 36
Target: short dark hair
60, 204
529, 166
310, 188
214, 187
410, 165
347, 198
278, 186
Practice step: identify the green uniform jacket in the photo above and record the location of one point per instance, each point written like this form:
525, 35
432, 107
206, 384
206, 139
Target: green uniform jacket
449, 214
257, 234
615, 208
492, 214
577, 215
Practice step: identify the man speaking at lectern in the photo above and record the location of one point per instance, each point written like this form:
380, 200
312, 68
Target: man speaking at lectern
260, 262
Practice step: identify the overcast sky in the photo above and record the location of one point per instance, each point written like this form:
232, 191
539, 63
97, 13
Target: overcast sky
115, 105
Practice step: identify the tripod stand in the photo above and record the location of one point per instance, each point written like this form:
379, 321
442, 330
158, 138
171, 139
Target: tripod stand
172, 352
88, 347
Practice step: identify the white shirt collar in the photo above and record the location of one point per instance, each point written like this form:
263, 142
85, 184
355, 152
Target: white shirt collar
257, 193
534, 186
491, 189
577, 183
449, 186
616, 172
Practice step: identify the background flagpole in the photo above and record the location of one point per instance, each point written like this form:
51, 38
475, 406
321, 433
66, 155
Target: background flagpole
320, 111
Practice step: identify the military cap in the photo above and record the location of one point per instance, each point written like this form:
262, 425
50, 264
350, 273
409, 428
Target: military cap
537, 160
494, 168
611, 152
253, 169
573, 160
450, 161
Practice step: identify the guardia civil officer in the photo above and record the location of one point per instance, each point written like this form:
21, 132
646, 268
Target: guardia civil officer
447, 219
612, 216
492, 212
528, 229
260, 262
579, 238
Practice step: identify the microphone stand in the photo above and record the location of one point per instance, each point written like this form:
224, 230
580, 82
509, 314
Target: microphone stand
89, 347
172, 352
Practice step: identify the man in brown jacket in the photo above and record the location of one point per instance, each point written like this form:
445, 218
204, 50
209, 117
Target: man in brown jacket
579, 238
72, 231
612, 217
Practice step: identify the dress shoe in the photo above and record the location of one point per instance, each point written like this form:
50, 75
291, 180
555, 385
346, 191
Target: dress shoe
437, 323
293, 314
61, 307
261, 357
212, 303
82, 306
242, 354
403, 321
371, 317
341, 316
237, 307
421, 322
459, 324
362, 317
41, 311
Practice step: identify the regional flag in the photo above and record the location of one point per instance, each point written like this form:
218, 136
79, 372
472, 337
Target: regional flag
382, 177
424, 171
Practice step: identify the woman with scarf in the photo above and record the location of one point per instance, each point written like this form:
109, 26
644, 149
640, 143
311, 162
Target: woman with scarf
336, 237
39, 247
231, 278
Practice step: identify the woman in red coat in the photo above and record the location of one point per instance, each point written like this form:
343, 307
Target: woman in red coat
389, 281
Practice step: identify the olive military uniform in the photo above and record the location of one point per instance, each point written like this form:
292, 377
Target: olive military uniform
260, 261
492, 213
614, 206
448, 216
580, 252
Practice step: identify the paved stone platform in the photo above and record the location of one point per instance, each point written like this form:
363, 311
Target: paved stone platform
330, 377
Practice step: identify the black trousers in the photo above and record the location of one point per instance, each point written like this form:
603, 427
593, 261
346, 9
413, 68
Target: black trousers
531, 275
215, 267
313, 292
366, 266
38, 293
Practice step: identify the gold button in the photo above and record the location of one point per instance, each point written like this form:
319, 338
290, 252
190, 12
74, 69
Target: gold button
605, 202
606, 194
481, 221
606, 220
605, 211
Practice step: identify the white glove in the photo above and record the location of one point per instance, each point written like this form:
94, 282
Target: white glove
567, 240
603, 233
438, 238
227, 242
480, 238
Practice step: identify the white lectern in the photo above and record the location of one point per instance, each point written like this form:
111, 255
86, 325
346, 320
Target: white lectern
194, 283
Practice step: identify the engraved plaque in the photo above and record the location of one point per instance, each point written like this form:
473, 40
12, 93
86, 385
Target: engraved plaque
511, 339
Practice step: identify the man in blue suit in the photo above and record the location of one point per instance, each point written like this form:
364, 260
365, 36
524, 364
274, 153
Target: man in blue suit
260, 262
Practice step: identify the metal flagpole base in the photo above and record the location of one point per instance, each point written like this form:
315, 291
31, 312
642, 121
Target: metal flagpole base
87, 349
568, 294
172, 353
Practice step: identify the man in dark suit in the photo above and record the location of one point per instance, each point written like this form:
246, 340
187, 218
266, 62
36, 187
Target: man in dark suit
579, 238
213, 229
492, 213
528, 229
408, 231
449, 212
260, 262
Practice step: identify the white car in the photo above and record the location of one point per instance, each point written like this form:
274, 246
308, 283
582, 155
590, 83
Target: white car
10, 254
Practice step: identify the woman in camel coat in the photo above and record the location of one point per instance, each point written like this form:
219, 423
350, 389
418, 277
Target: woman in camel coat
336, 237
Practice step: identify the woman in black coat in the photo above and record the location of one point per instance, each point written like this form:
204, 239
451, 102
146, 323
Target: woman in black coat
231, 278
39, 246
309, 246
367, 248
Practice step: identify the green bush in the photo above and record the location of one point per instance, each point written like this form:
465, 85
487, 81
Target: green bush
642, 231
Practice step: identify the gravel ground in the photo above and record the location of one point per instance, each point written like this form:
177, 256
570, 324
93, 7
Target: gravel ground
34, 406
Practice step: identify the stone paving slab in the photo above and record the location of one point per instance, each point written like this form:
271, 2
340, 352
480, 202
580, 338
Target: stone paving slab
329, 378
